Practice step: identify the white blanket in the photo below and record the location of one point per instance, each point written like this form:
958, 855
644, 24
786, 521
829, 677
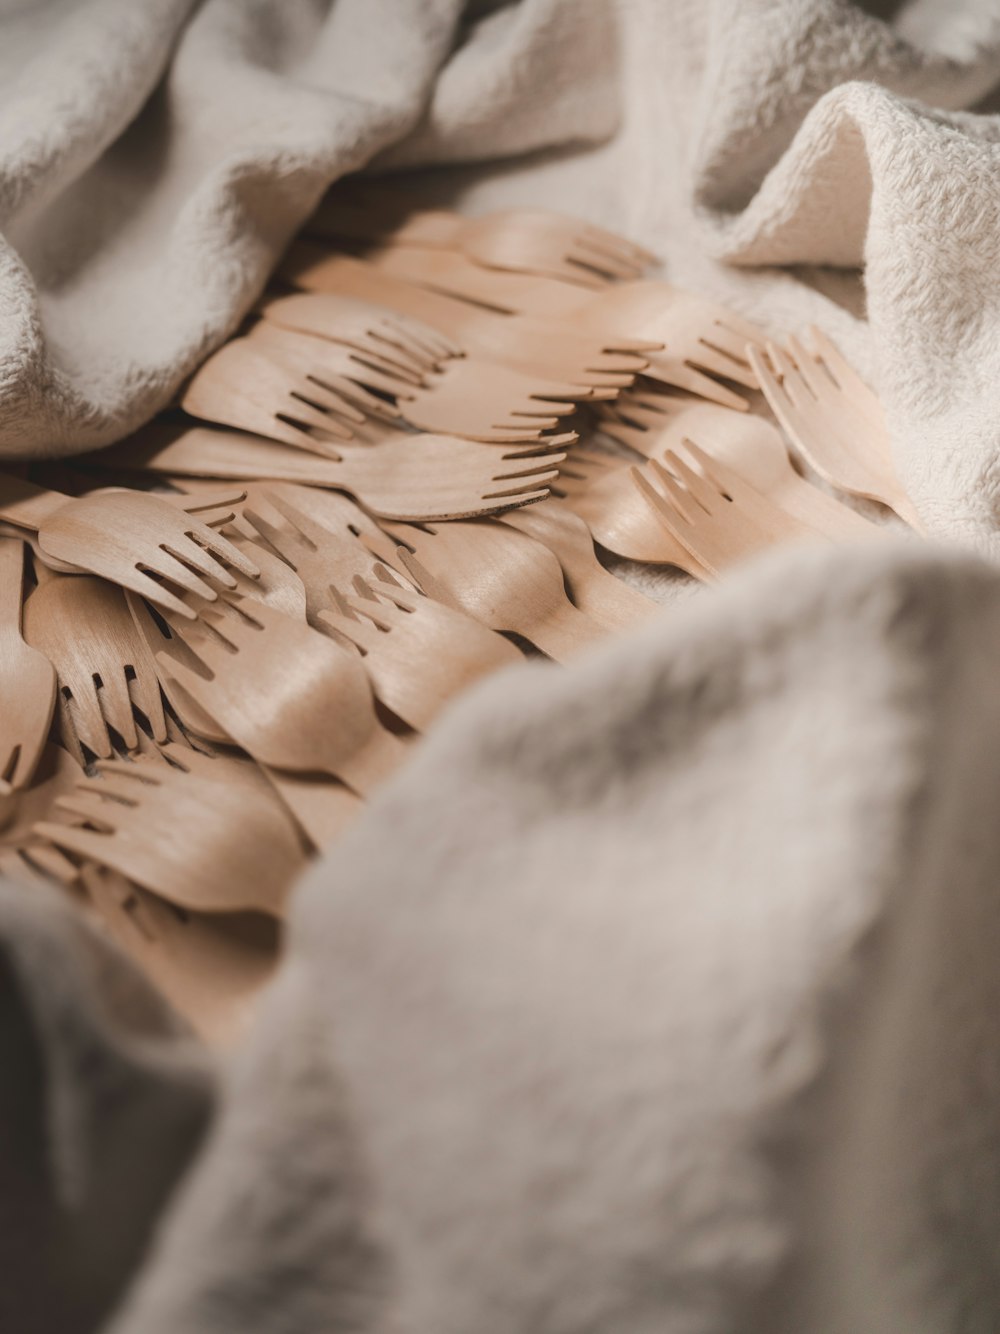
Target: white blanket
659, 993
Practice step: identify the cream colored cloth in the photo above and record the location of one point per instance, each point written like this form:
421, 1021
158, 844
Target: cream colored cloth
658, 993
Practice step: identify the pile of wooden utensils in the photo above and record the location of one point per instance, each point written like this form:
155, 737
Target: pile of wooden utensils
220, 636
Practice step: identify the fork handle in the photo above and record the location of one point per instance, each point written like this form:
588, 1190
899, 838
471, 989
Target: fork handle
565, 632
370, 766
25, 504
11, 581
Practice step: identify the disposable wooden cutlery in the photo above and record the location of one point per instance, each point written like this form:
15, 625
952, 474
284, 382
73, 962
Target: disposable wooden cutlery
27, 679
717, 516
700, 339
255, 385
550, 348
418, 652
535, 241
600, 490
288, 695
591, 587
834, 419
239, 851
83, 627
501, 577
365, 327
208, 965
410, 477
322, 559
131, 538
653, 423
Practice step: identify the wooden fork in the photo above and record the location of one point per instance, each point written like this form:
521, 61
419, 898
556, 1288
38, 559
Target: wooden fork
488, 402
239, 850
715, 514
418, 652
599, 489
27, 679
290, 696
501, 577
210, 966
592, 588
536, 241
700, 339
413, 477
534, 347
365, 327
322, 806
83, 627
126, 537
652, 424
256, 384
834, 419
322, 559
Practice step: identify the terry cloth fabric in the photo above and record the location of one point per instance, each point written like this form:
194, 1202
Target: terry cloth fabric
657, 993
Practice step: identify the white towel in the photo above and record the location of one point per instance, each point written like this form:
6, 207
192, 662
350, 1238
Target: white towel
659, 992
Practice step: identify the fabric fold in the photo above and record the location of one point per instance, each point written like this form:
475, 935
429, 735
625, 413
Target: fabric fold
635, 1000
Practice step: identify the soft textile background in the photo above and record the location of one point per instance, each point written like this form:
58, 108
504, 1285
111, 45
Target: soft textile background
659, 994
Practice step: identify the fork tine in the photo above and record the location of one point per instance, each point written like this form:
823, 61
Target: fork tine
82, 710
70, 838
699, 489
224, 552
680, 498
279, 538
540, 480
600, 235
117, 707
320, 395
545, 466
314, 533
369, 403
190, 571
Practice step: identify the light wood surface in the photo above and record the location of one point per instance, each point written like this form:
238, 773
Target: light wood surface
210, 967
653, 423
419, 653
83, 627
365, 326
502, 578
412, 478
289, 695
27, 679
536, 241
203, 844
591, 587
532, 346
834, 419
125, 536
712, 511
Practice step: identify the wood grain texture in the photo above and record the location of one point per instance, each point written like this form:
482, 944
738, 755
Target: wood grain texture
419, 653
290, 696
27, 679
83, 626
834, 419
409, 477
502, 578
204, 843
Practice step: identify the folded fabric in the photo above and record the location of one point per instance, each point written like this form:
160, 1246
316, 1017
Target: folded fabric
658, 994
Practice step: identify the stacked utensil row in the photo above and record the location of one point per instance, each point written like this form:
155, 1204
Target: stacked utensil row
359, 502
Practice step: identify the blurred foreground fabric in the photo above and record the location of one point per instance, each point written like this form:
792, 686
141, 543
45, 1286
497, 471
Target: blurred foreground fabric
659, 993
